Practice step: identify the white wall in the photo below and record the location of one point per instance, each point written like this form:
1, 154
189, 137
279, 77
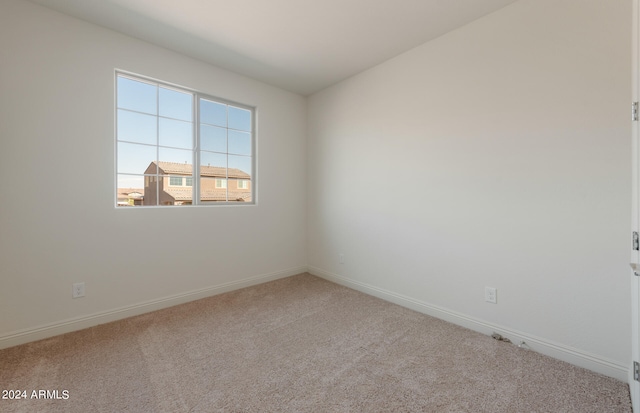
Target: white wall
496, 155
58, 223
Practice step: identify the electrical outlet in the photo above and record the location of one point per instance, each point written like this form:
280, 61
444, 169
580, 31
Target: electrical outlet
341, 258
491, 295
78, 290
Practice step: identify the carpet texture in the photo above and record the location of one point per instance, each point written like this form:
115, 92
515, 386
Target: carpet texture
299, 344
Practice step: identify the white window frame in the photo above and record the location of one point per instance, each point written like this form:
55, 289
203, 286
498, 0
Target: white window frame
197, 96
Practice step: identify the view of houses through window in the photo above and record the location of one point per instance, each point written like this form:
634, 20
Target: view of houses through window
178, 147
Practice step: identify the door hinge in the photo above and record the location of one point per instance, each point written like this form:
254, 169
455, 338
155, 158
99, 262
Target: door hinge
636, 371
634, 111
636, 241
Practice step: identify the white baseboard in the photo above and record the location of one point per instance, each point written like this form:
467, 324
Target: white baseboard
65, 326
558, 351
561, 352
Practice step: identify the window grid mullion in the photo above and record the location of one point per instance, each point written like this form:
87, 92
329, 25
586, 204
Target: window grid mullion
227, 156
158, 145
196, 150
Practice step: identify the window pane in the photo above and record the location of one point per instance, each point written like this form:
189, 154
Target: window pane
130, 190
136, 159
176, 133
213, 190
172, 191
137, 127
130, 181
239, 118
210, 160
151, 190
213, 113
240, 167
177, 105
239, 142
239, 184
239, 190
180, 159
213, 138
138, 96
151, 194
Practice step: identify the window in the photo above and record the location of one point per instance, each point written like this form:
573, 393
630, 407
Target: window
180, 180
175, 180
179, 147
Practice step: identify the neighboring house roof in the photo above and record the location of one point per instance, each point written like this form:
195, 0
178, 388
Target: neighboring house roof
126, 195
135, 193
168, 168
184, 194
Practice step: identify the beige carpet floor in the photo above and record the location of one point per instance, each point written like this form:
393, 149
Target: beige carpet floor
299, 344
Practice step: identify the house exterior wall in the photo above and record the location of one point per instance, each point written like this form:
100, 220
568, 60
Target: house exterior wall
150, 190
208, 189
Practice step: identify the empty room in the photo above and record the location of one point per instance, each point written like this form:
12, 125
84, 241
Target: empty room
304, 206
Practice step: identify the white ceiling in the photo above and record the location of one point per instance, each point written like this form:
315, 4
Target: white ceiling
299, 45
